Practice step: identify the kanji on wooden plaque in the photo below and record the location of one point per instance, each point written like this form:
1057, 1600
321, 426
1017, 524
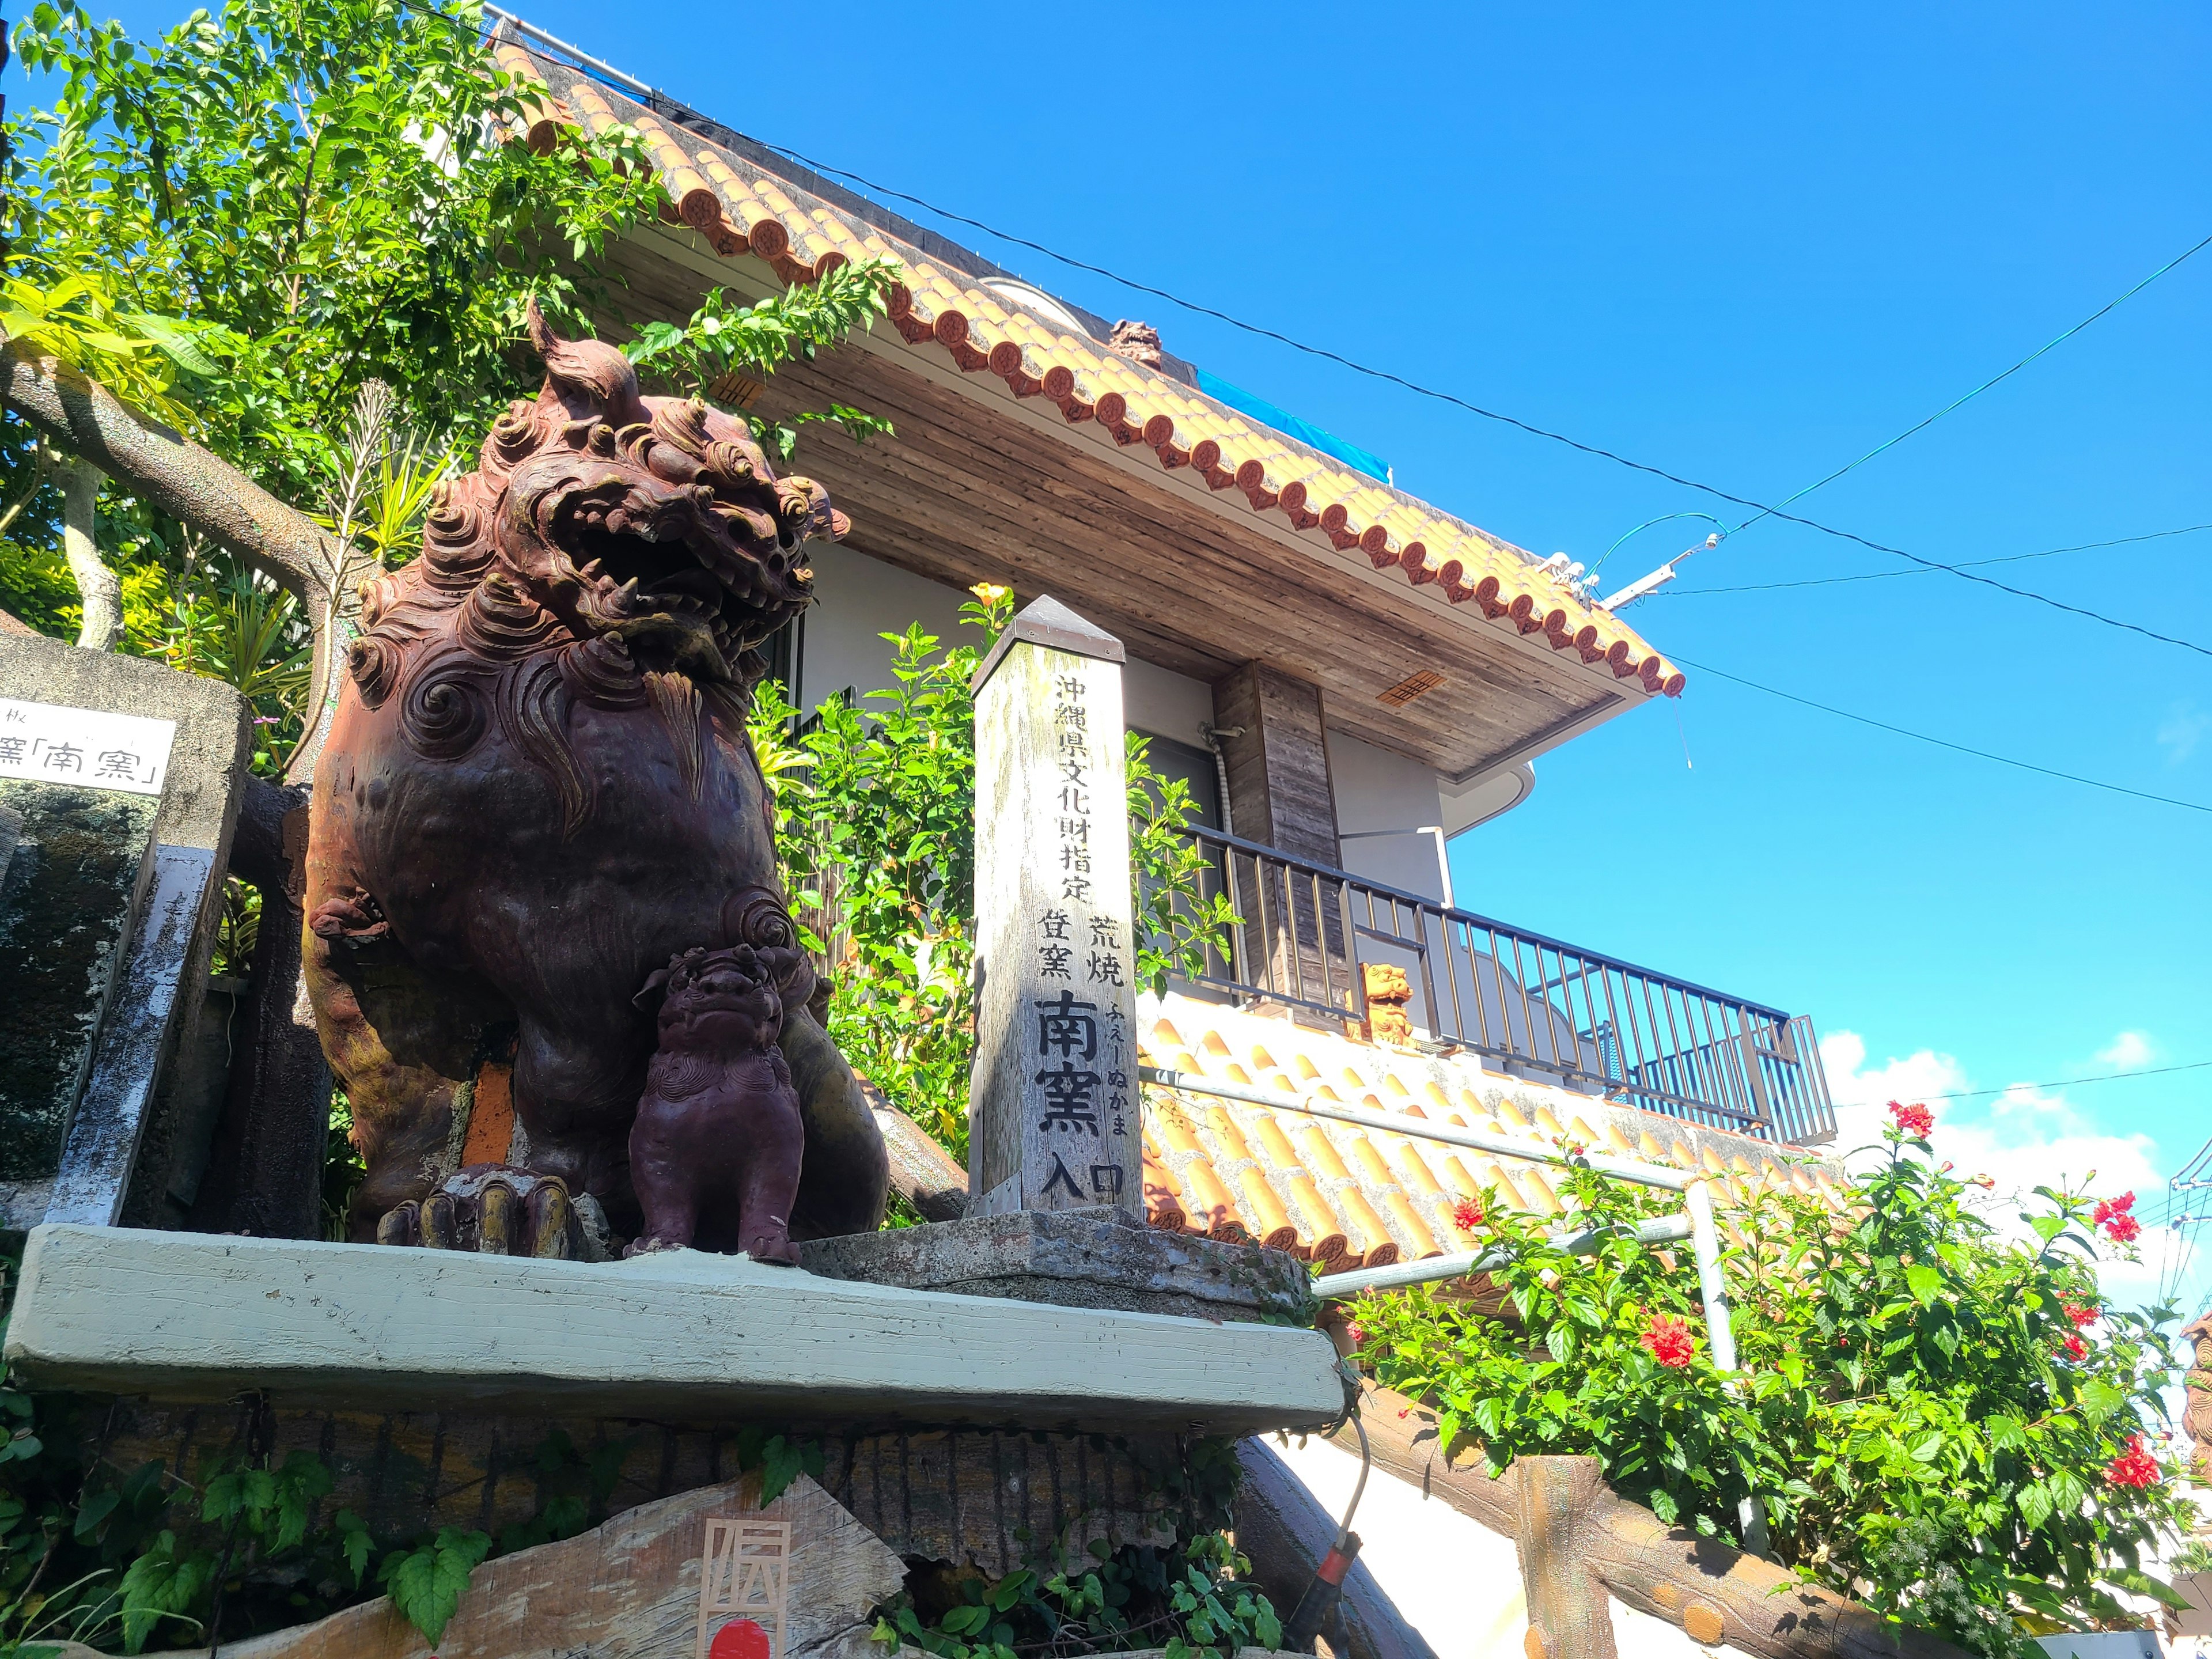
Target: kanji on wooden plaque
744, 1584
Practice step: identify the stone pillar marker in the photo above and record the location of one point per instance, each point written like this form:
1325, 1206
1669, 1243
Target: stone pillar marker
1054, 1114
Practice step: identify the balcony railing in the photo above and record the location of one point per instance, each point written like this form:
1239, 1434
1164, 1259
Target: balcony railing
1643, 1039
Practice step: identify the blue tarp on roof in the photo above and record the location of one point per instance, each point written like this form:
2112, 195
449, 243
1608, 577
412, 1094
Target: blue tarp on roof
1283, 421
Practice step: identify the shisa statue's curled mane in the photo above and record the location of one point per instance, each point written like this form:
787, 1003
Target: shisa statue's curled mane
538, 790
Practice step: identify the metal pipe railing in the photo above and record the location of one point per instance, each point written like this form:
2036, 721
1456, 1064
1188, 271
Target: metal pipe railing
1644, 1038
1334, 1287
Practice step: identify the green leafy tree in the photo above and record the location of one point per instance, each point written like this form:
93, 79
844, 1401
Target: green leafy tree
1932, 1415
311, 193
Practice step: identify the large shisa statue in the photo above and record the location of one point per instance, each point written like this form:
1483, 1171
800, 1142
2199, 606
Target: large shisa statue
538, 814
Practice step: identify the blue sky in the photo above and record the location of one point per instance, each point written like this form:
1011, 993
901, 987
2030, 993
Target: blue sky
1745, 244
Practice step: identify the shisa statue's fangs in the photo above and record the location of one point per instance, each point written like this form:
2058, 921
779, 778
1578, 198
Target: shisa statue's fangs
537, 791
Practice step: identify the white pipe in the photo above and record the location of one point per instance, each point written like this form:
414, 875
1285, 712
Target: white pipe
1332, 1287
1621, 1168
1704, 1240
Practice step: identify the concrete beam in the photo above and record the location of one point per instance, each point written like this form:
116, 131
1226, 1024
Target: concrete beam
682, 1337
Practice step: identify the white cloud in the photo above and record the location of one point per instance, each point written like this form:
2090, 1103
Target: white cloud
2021, 1136
2129, 1049
2185, 727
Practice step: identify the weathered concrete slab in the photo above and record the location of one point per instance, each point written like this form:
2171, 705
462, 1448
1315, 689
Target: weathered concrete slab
679, 1336
1075, 1258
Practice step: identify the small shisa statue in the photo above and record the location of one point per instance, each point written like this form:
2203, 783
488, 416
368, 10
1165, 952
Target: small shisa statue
714, 1152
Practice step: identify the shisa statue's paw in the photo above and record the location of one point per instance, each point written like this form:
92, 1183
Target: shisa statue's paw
494, 1209
772, 1246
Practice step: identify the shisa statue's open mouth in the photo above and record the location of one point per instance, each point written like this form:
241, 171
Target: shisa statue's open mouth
657, 521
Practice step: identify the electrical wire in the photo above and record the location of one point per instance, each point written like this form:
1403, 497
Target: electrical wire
1760, 508
1956, 403
1885, 576
2072, 1082
1941, 743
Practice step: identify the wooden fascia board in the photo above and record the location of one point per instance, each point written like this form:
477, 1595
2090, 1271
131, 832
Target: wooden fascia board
1611, 695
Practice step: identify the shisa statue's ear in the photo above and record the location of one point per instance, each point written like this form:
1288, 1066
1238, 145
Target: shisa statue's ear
588, 376
653, 991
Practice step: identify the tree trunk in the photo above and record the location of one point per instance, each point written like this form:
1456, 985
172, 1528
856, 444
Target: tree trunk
265, 1173
1570, 1614
192, 485
97, 585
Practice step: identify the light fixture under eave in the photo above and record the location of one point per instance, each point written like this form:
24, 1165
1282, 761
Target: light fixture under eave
1657, 579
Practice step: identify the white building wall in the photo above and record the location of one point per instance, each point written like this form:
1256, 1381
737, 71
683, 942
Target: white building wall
1166, 704
1451, 1577
1378, 790
856, 599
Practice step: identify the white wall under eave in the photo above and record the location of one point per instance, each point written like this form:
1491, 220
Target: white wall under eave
1378, 790
1165, 704
856, 599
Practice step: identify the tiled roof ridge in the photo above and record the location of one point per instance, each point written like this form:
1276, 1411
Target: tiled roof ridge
803, 240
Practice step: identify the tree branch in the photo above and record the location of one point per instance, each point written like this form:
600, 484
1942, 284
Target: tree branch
170, 473
192, 485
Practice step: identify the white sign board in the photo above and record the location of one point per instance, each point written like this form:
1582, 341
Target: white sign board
89, 747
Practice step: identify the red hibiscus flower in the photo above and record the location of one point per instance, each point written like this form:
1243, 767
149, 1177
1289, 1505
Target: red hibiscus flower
2076, 1347
1668, 1340
1357, 1333
1917, 1121
2114, 1216
2134, 1466
2082, 1314
1466, 1215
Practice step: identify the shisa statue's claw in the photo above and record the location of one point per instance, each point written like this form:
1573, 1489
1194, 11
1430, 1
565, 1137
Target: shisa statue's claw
494, 1209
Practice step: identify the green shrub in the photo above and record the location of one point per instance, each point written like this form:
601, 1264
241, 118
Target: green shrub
1934, 1416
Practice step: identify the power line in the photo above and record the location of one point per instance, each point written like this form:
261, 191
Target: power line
1956, 402
1885, 575
1760, 509
1943, 742
2071, 1083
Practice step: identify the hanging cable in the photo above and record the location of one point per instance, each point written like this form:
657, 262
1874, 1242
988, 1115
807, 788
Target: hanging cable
1963, 564
1922, 426
2072, 1082
1760, 509
1941, 742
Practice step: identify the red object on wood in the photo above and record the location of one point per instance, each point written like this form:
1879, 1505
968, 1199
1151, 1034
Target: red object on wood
741, 1639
